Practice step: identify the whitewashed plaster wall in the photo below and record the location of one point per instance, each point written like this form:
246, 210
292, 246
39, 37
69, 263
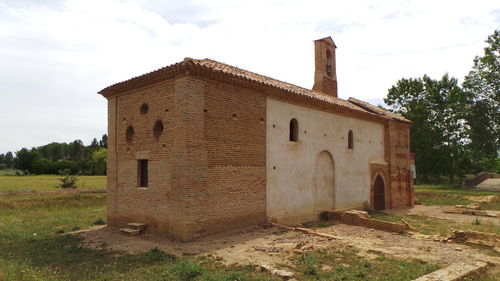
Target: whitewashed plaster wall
300, 183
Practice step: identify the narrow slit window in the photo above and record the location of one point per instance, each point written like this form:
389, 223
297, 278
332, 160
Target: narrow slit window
294, 130
328, 63
129, 134
143, 173
350, 140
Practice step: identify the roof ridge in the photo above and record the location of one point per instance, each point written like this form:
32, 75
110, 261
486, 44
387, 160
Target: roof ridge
268, 77
190, 64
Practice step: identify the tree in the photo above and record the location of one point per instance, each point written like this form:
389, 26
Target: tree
483, 83
104, 141
25, 159
437, 109
98, 161
94, 145
9, 160
54, 151
76, 150
74, 157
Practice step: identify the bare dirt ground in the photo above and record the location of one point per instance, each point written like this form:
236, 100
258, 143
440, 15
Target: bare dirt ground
274, 246
492, 185
439, 213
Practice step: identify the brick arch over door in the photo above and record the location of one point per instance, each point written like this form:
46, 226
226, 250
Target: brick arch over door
324, 182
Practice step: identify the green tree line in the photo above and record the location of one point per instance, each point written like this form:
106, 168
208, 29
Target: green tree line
58, 158
455, 127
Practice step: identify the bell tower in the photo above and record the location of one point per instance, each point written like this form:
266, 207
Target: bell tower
325, 74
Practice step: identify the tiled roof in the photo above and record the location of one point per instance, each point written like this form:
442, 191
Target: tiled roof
234, 71
231, 71
378, 110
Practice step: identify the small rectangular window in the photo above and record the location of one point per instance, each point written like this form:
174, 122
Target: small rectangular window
142, 167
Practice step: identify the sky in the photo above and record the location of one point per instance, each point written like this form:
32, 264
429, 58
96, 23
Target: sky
55, 55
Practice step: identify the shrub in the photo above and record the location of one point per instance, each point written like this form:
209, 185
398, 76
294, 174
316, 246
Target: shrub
235, 276
99, 221
310, 261
188, 270
155, 254
324, 216
477, 221
68, 181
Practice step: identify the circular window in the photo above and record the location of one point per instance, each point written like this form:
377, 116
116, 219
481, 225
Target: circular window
158, 129
129, 134
144, 108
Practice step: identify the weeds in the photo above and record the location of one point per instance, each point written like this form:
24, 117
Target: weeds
309, 260
187, 270
347, 265
477, 221
157, 255
235, 276
99, 221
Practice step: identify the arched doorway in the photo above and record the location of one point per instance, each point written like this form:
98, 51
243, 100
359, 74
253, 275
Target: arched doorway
379, 194
324, 194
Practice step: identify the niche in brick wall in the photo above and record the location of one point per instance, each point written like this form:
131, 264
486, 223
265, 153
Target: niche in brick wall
158, 129
144, 108
129, 134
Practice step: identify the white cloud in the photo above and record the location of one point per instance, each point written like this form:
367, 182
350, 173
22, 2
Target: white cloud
56, 55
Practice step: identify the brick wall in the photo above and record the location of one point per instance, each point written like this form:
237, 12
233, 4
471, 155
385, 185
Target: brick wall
234, 134
206, 171
126, 201
401, 181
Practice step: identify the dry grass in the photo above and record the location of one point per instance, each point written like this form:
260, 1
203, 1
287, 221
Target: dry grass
19, 184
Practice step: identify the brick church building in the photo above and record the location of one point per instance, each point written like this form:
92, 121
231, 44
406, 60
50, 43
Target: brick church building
200, 147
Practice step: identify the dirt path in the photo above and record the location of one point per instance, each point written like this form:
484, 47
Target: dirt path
492, 185
439, 213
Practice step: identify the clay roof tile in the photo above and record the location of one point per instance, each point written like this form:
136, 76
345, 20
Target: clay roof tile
228, 70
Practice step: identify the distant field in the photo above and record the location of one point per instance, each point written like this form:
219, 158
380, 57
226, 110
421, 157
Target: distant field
46, 183
7, 172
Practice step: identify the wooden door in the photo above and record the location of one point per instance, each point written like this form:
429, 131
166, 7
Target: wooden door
379, 194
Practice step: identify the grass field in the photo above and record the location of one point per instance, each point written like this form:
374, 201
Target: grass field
47, 183
354, 268
34, 246
7, 172
442, 195
431, 226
